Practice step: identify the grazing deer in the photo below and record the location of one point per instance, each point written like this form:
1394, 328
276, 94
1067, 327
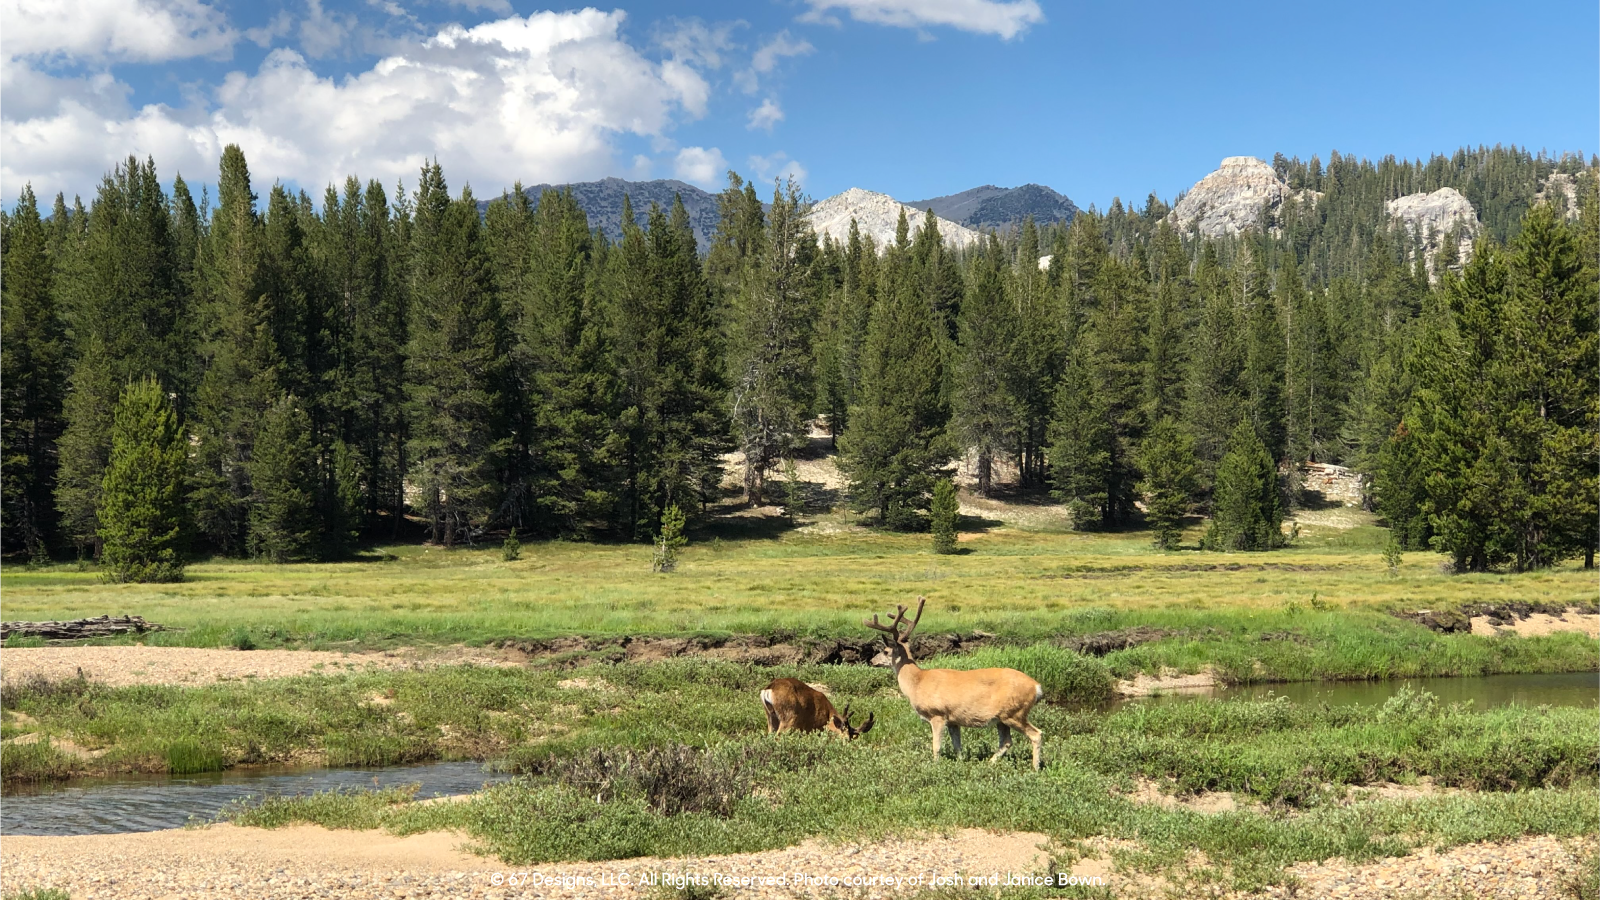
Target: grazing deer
793, 705
956, 699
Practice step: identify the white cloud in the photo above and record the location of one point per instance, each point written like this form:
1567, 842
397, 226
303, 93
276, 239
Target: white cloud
777, 166
697, 165
323, 32
1006, 19
767, 57
694, 42
540, 98
106, 30
768, 114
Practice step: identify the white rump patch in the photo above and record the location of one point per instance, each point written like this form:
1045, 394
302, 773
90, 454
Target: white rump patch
766, 697
1038, 692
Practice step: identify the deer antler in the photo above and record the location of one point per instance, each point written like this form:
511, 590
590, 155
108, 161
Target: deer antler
893, 628
846, 715
921, 601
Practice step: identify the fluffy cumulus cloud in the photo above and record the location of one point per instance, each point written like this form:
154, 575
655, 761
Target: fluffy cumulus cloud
113, 30
768, 114
698, 165
542, 98
766, 58
1004, 19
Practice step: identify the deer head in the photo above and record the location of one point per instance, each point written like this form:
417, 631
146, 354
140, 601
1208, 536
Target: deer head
898, 642
841, 724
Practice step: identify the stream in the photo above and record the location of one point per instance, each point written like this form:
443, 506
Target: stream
155, 802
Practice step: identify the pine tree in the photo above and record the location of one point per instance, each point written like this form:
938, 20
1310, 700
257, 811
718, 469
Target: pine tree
985, 411
1397, 490
34, 361
1082, 446
241, 379
562, 331
1213, 389
141, 513
668, 358
283, 478
125, 308
944, 514
1263, 376
1247, 515
896, 445
453, 364
1170, 478
770, 349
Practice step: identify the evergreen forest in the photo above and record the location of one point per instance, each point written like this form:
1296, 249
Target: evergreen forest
285, 377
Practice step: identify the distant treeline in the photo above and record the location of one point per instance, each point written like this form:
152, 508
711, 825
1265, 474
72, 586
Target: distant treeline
282, 381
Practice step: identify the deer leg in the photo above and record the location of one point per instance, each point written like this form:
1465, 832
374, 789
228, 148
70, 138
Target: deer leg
938, 733
1037, 737
772, 717
1005, 741
955, 739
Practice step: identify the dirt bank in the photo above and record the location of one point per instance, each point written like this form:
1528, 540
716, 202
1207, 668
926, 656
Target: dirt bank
120, 666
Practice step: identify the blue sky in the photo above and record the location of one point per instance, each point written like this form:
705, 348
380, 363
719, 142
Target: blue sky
914, 98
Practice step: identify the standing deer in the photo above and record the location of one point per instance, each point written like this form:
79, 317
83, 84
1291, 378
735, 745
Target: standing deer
955, 699
793, 705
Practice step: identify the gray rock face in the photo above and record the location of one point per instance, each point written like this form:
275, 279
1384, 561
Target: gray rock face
1001, 208
602, 201
878, 215
1561, 190
1433, 217
1231, 199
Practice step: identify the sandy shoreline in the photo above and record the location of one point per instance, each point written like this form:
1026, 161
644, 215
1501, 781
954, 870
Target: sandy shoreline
311, 862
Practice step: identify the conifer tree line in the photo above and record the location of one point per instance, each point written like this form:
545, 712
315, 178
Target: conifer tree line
284, 378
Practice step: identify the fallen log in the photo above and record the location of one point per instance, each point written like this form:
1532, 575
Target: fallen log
99, 626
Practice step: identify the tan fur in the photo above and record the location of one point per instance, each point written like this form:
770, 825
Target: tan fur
956, 699
793, 705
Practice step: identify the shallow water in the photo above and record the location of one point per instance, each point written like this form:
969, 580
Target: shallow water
1485, 692
155, 802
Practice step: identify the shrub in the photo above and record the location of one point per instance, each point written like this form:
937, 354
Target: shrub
671, 779
1066, 677
511, 550
945, 513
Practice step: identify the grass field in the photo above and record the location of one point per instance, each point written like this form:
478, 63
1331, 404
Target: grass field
1022, 584
671, 757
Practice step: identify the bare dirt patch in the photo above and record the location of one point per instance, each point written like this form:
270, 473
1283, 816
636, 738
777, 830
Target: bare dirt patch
1169, 681
1208, 802
303, 861
1539, 624
1528, 869
120, 666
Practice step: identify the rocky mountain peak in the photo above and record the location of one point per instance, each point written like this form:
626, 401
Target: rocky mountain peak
877, 215
1231, 199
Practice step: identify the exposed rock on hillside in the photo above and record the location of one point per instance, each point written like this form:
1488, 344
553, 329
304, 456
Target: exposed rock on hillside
1561, 190
1001, 208
1231, 199
878, 215
1433, 218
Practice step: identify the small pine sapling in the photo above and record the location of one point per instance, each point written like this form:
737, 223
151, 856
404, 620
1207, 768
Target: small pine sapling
511, 550
670, 541
945, 513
